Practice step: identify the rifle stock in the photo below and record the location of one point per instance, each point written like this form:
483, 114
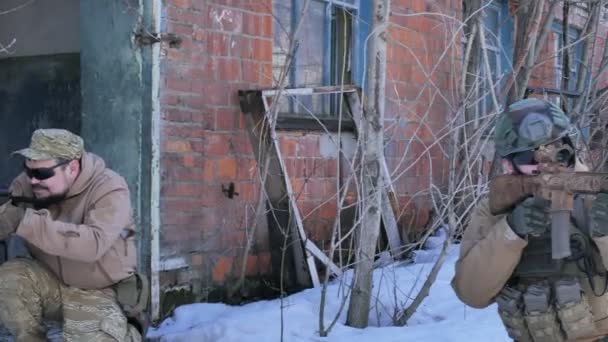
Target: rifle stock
558, 187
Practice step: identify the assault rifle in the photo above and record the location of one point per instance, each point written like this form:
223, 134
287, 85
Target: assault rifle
554, 182
5, 194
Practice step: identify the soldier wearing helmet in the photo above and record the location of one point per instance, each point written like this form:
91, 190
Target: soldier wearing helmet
506, 258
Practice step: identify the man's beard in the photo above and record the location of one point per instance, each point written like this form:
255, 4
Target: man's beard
42, 203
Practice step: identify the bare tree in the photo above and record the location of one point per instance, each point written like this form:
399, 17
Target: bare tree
372, 130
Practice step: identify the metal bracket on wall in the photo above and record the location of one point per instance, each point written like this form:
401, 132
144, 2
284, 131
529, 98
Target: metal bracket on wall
285, 215
143, 37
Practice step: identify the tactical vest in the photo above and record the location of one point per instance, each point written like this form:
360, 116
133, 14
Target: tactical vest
544, 299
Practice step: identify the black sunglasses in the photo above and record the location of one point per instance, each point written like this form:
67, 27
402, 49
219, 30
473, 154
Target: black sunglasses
43, 172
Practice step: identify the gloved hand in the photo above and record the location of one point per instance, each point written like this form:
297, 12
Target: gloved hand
599, 215
10, 217
531, 216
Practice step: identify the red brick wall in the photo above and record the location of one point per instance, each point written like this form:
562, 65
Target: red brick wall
422, 63
227, 46
544, 73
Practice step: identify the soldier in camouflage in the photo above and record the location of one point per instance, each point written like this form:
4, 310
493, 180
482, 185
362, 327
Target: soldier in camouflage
75, 216
507, 258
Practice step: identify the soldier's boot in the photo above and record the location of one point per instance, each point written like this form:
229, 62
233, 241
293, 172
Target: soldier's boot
95, 315
28, 292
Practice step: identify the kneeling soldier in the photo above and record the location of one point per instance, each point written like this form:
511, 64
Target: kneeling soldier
75, 216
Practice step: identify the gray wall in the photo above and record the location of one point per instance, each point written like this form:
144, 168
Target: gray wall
35, 92
41, 27
115, 93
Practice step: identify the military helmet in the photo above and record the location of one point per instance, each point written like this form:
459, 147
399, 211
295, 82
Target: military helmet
528, 124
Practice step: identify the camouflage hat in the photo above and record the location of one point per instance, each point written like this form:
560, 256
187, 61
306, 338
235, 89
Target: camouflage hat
528, 124
53, 143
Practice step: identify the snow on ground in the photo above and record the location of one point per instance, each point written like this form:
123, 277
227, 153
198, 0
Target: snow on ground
441, 317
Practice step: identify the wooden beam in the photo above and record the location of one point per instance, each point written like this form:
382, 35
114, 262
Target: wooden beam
388, 213
282, 226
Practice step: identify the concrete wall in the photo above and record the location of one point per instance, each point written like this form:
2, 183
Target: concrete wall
115, 99
36, 92
39, 27
39, 74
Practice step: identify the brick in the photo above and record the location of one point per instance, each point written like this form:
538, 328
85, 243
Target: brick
251, 268
177, 218
267, 22
328, 210
222, 267
233, 238
308, 147
303, 167
205, 119
180, 205
266, 76
168, 99
180, 29
241, 47
217, 44
182, 131
182, 189
247, 169
331, 168
251, 71
176, 55
176, 233
189, 160
199, 35
228, 69
204, 174
241, 144
246, 191
216, 145
288, 145
180, 146
226, 169
264, 265
316, 188
217, 93
298, 185
225, 19
177, 84
208, 170
213, 196
226, 119
194, 102
181, 3
249, 24
262, 50
186, 16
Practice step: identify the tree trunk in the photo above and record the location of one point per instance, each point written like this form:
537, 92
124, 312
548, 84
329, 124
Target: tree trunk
372, 145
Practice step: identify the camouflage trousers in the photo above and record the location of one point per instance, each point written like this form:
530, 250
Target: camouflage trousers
30, 293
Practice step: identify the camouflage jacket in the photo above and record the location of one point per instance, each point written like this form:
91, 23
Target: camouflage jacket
87, 240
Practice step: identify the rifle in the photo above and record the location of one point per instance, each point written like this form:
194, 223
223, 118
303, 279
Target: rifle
555, 184
6, 194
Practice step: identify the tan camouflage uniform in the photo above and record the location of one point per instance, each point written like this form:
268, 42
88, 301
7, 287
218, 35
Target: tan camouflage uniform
82, 247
